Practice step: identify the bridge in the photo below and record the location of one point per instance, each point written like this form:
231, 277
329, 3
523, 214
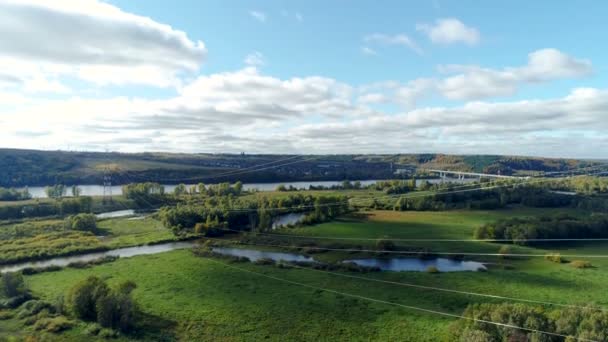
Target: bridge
463, 175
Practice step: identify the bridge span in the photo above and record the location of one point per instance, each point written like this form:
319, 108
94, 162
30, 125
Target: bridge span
463, 174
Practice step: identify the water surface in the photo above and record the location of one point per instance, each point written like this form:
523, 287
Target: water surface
255, 255
287, 219
420, 265
121, 252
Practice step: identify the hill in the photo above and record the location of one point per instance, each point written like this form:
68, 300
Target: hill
34, 167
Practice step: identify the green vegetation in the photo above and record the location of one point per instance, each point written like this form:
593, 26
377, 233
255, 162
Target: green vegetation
584, 324
559, 227
29, 167
93, 300
212, 214
14, 194
201, 295
36, 240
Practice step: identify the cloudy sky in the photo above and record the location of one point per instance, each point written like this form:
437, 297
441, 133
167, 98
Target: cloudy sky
517, 77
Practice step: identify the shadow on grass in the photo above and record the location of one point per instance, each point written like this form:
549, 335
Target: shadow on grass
153, 328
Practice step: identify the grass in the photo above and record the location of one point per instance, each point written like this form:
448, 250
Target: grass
39, 241
202, 299
123, 232
185, 297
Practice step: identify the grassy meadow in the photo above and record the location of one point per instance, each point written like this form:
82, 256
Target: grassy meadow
186, 297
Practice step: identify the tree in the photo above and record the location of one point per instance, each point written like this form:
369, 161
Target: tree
76, 191
201, 188
12, 285
82, 222
93, 300
180, 190
83, 297
238, 188
55, 191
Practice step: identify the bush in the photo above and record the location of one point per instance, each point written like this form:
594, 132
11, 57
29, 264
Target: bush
108, 333
82, 222
555, 257
504, 250
264, 261
5, 314
385, 245
12, 285
581, 264
33, 307
53, 324
432, 269
93, 300
92, 329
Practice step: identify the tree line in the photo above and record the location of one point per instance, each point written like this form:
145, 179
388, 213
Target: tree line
66, 206
577, 323
14, 194
559, 227
256, 214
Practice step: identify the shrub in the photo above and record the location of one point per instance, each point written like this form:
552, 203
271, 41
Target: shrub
264, 261
82, 222
555, 257
92, 329
581, 264
504, 250
53, 324
12, 285
432, 269
93, 300
385, 245
34, 307
5, 314
107, 333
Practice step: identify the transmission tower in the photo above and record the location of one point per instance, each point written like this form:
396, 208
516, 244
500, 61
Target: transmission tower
107, 184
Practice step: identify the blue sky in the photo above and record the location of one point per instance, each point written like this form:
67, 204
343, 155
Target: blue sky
515, 77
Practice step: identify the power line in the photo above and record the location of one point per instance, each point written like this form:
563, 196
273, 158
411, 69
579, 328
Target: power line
314, 237
424, 253
405, 196
436, 312
432, 288
245, 170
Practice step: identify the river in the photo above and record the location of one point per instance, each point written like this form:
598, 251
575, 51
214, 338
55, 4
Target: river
120, 252
97, 190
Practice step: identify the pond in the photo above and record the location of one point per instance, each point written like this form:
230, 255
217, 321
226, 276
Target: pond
255, 255
419, 265
121, 252
287, 219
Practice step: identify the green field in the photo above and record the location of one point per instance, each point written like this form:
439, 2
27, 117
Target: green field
192, 298
39, 239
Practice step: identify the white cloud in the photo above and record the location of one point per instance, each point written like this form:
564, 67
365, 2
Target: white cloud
368, 51
450, 30
248, 111
372, 98
413, 91
474, 82
258, 15
398, 39
254, 59
539, 127
76, 37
